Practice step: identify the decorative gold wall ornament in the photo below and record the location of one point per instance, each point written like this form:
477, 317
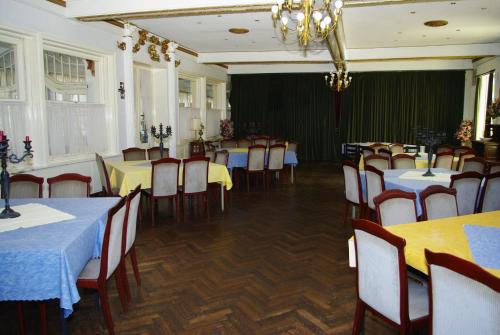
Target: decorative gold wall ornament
121, 45
154, 39
177, 63
167, 58
136, 48
153, 54
143, 36
164, 47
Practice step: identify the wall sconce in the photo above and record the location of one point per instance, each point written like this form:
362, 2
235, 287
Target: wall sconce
122, 90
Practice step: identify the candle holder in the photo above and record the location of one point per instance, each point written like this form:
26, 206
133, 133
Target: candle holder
429, 138
8, 212
161, 135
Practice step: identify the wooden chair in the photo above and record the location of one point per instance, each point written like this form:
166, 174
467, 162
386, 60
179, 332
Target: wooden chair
104, 177
444, 160
460, 150
275, 161
493, 167
99, 270
382, 281
228, 144
438, 202
378, 161
395, 207
403, 161
255, 163
444, 148
352, 189
154, 153
128, 242
210, 155
397, 148
386, 153
244, 143
222, 157
462, 157
276, 140
261, 140
292, 146
374, 186
377, 146
475, 164
25, 186
467, 185
69, 185
490, 199
367, 152
164, 184
134, 154
463, 297
195, 181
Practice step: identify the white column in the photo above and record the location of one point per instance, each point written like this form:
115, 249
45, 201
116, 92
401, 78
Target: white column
221, 98
128, 75
202, 84
173, 99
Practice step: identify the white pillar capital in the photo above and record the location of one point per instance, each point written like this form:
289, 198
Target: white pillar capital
172, 46
128, 30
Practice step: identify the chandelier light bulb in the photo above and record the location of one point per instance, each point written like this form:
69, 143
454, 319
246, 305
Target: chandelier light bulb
300, 17
274, 9
322, 25
284, 20
339, 4
317, 16
281, 2
327, 20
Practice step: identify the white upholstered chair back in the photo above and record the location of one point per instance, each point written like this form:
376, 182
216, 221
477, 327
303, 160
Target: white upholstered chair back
377, 146
195, 176
462, 159
397, 149
244, 143
403, 162
444, 161
222, 157
165, 179
134, 154
379, 162
276, 157
495, 168
474, 164
210, 155
133, 211
261, 141
491, 193
378, 274
103, 175
69, 189
154, 153
374, 186
115, 241
440, 205
351, 182
256, 158
395, 210
24, 189
367, 152
467, 186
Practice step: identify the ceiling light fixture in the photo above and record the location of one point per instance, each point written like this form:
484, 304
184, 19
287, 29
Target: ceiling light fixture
311, 23
239, 31
436, 23
338, 80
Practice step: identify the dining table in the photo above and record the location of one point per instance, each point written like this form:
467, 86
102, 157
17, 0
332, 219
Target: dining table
126, 175
43, 251
473, 237
412, 180
238, 158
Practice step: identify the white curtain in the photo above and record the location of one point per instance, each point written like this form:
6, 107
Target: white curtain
212, 128
76, 128
186, 114
13, 124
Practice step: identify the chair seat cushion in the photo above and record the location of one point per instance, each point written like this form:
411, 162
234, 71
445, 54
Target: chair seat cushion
418, 300
91, 270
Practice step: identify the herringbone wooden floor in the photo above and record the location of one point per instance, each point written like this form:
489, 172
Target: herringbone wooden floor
274, 263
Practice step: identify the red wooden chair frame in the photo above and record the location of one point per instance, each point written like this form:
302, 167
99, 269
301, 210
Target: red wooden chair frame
133, 150
106, 176
490, 165
375, 156
487, 178
401, 156
261, 138
154, 149
393, 194
99, 284
399, 243
462, 154
262, 172
449, 148
382, 181
460, 266
203, 193
68, 177
468, 175
445, 153
367, 149
25, 177
244, 140
478, 160
434, 189
361, 204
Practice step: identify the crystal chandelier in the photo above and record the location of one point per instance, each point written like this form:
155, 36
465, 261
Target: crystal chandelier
310, 22
338, 80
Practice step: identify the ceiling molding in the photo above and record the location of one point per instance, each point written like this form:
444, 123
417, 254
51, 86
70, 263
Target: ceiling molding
61, 3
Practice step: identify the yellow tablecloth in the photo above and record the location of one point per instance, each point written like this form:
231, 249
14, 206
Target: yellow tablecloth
442, 235
127, 175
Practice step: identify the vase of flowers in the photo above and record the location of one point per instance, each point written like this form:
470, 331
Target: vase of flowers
494, 109
226, 129
464, 132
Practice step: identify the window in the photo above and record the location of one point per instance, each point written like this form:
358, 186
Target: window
186, 89
211, 96
8, 74
484, 93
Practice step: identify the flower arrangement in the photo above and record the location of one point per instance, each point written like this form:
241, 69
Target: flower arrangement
226, 128
464, 132
494, 109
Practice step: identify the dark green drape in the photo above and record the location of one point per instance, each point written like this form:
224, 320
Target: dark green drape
379, 106
293, 106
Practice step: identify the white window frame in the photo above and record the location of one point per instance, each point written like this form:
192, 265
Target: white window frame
16, 39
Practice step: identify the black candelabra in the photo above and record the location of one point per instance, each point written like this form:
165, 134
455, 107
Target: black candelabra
429, 138
161, 134
8, 212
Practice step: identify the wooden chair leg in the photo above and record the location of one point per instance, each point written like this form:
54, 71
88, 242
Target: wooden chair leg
206, 204
346, 210
20, 318
152, 208
177, 208
184, 204
103, 297
248, 182
135, 267
42, 310
120, 287
358, 317
124, 278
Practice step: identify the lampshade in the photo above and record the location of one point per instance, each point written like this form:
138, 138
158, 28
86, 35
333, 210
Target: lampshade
195, 124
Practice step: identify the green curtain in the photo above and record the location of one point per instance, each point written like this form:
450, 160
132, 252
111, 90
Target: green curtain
378, 106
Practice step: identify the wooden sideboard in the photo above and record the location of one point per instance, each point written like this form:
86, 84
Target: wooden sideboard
488, 150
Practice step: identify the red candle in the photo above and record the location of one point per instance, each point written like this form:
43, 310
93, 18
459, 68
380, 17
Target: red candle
27, 139
1, 134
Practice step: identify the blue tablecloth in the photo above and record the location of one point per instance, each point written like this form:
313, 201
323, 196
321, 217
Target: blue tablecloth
392, 181
239, 159
44, 262
484, 244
